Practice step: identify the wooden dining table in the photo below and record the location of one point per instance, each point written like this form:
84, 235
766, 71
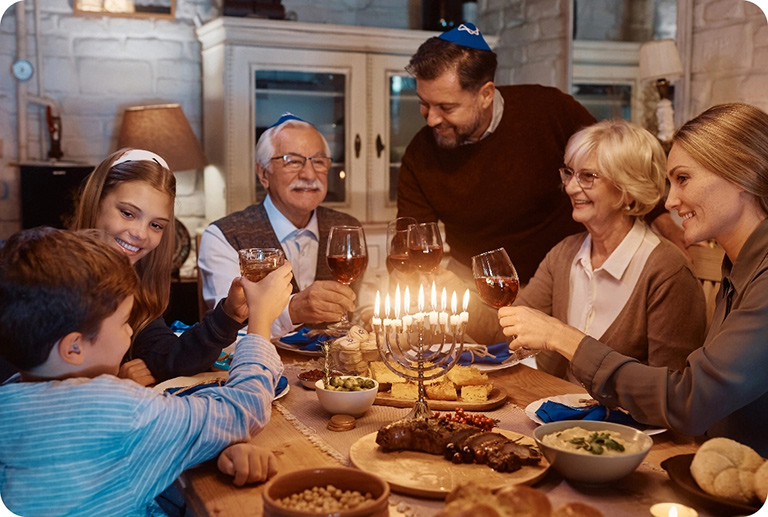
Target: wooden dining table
211, 493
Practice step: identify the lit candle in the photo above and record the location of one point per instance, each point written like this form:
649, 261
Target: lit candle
407, 300
443, 314
387, 321
376, 321
454, 311
672, 510
433, 314
419, 316
397, 302
464, 314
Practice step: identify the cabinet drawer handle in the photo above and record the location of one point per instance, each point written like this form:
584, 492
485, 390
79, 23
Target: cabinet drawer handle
357, 145
379, 146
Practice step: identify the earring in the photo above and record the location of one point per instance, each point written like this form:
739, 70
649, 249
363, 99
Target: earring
628, 208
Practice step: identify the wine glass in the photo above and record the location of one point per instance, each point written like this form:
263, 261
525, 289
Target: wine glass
498, 284
425, 248
397, 245
496, 278
347, 256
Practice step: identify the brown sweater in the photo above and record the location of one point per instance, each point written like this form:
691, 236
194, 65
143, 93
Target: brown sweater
661, 323
503, 191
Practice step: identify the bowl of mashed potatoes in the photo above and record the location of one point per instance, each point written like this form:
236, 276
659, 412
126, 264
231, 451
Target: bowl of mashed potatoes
592, 452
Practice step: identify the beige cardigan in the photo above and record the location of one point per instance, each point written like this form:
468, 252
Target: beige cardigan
661, 323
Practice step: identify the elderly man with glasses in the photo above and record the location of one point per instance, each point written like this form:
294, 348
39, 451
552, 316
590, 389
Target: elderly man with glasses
293, 160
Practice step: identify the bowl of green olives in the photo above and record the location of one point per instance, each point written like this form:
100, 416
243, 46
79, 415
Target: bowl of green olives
347, 394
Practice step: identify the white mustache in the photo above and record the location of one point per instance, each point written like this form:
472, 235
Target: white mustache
306, 185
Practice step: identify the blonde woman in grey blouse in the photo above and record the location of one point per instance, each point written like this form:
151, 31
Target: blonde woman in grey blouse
618, 281
718, 172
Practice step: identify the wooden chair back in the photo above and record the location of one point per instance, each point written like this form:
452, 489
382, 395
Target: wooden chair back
707, 262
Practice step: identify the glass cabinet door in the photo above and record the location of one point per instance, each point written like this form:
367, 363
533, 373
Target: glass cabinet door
395, 121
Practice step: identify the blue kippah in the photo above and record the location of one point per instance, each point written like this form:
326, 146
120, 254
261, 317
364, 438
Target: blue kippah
285, 117
466, 35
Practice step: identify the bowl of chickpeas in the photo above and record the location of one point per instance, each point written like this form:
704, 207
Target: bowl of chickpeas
327, 491
347, 394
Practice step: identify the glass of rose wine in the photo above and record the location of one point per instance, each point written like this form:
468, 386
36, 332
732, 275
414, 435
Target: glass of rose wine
347, 256
498, 284
256, 263
425, 247
397, 245
496, 278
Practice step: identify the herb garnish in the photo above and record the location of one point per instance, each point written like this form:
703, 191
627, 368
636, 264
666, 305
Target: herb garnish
596, 443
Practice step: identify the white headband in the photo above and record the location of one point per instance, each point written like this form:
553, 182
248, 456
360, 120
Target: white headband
137, 155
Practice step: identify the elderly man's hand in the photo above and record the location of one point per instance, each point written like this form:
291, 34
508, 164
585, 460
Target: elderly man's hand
323, 300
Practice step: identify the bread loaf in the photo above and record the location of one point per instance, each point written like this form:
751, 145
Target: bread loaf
726, 468
761, 481
576, 509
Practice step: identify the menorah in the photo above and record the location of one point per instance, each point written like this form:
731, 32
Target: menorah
421, 346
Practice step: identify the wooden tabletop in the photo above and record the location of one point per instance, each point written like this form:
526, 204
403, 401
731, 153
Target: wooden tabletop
210, 493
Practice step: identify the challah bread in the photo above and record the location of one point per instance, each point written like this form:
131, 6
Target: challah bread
761, 482
576, 509
726, 468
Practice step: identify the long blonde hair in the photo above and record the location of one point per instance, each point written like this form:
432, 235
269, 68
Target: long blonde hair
154, 270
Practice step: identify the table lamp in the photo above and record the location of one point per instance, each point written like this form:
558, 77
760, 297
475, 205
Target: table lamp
165, 130
660, 61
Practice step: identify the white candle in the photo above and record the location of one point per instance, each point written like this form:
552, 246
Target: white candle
465, 305
443, 318
455, 320
407, 300
672, 510
433, 318
407, 321
397, 302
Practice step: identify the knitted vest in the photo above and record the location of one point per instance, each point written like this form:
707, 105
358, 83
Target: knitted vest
250, 228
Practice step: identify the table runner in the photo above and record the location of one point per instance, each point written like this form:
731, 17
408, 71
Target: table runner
630, 497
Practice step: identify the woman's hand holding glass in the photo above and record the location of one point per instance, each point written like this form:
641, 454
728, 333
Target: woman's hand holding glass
531, 329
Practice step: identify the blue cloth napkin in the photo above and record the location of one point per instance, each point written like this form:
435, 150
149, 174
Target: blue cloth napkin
551, 411
178, 326
303, 342
182, 391
500, 350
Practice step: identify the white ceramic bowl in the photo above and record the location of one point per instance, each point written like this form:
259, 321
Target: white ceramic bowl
353, 403
343, 478
591, 468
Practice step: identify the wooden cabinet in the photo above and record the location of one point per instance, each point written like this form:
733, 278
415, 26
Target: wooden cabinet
348, 81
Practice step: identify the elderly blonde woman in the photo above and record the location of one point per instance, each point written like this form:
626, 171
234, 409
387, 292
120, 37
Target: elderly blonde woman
618, 282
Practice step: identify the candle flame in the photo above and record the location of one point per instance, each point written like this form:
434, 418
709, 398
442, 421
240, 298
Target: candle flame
397, 302
673, 512
434, 297
420, 305
454, 303
386, 306
443, 299
465, 304
407, 301
378, 305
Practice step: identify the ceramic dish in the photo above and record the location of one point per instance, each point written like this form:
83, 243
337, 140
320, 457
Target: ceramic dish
594, 469
679, 470
574, 400
432, 476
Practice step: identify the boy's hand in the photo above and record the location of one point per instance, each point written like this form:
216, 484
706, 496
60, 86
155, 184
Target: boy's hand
267, 298
137, 371
247, 463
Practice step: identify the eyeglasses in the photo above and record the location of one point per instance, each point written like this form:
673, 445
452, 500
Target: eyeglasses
295, 162
585, 179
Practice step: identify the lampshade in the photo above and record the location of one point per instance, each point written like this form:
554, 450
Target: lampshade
165, 130
660, 60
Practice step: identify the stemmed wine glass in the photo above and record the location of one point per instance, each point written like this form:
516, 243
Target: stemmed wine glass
397, 245
425, 247
498, 284
347, 256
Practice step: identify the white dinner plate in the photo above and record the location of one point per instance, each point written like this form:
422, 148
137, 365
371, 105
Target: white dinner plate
204, 377
573, 400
